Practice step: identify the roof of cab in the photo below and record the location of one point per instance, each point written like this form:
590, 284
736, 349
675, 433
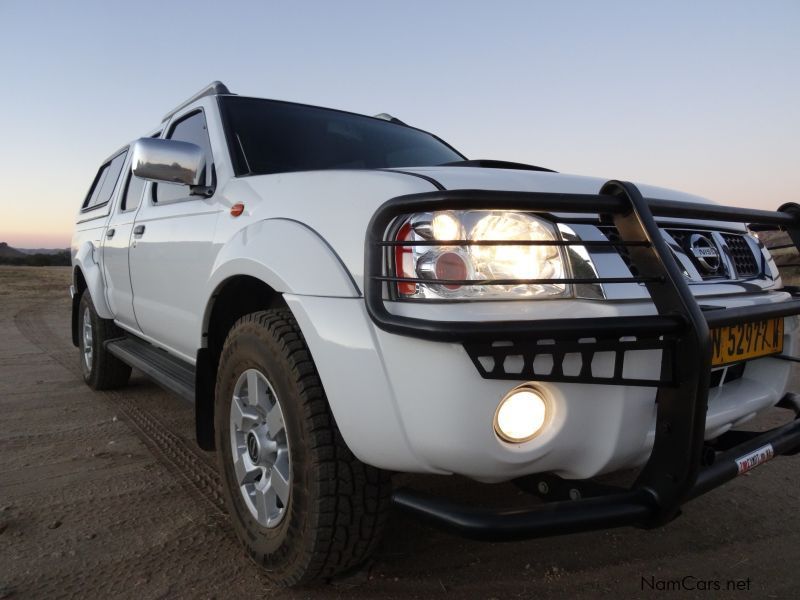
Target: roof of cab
212, 89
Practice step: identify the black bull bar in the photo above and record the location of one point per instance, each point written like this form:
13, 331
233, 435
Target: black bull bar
679, 467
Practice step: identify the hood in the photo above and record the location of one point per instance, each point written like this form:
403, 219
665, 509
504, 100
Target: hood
472, 178
453, 178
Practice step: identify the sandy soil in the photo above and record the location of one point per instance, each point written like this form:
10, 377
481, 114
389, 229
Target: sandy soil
106, 494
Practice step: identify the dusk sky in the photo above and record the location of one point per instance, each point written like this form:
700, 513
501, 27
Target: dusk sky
699, 96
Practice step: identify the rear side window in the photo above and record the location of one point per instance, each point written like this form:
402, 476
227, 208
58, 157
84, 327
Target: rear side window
105, 182
189, 129
133, 193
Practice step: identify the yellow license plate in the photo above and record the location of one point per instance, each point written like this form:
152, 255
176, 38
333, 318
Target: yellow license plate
746, 341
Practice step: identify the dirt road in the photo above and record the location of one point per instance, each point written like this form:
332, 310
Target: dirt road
106, 495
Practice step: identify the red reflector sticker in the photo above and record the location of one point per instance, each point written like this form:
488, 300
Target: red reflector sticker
755, 458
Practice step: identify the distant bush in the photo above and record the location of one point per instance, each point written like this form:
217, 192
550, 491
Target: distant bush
57, 259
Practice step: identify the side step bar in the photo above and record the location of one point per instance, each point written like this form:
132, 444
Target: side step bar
171, 373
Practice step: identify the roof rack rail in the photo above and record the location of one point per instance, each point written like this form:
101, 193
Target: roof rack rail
212, 89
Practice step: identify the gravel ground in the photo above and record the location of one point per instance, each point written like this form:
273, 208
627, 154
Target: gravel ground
105, 493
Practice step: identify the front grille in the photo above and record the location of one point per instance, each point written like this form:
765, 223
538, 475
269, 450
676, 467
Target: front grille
740, 252
742, 255
682, 238
679, 235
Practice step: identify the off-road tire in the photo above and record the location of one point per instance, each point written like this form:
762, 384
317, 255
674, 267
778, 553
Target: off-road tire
107, 372
337, 505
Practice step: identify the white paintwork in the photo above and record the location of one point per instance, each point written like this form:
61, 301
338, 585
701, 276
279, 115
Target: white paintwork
411, 405
356, 379
401, 403
287, 255
352, 196
86, 247
170, 261
337, 205
86, 251
119, 293
168, 266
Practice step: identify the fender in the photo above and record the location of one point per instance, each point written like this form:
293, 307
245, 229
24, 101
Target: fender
86, 260
287, 255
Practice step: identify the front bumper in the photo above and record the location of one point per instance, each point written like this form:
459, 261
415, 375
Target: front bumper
616, 508
680, 331
418, 406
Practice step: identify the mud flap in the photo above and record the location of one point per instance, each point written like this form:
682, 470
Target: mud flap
205, 378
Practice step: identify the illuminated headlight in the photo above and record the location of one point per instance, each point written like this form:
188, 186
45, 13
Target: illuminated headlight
520, 415
452, 266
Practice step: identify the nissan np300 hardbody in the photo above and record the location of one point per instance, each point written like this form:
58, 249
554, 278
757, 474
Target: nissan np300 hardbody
345, 296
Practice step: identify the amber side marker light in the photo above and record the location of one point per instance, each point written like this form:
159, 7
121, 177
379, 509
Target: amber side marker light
237, 209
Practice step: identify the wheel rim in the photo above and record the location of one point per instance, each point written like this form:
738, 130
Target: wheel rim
88, 339
260, 448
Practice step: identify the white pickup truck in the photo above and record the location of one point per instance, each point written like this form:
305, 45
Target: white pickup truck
344, 296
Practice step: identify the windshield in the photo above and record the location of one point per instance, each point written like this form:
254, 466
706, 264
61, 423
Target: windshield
269, 136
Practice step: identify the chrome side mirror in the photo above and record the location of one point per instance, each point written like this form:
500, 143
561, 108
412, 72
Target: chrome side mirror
170, 161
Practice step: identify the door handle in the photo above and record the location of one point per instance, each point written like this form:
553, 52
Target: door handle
138, 230
110, 233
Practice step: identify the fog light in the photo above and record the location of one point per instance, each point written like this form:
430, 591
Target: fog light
520, 415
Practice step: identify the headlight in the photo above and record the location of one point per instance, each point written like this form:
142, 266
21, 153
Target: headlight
452, 265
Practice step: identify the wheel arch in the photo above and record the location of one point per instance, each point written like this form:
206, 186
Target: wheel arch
78, 286
233, 298
252, 271
87, 266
